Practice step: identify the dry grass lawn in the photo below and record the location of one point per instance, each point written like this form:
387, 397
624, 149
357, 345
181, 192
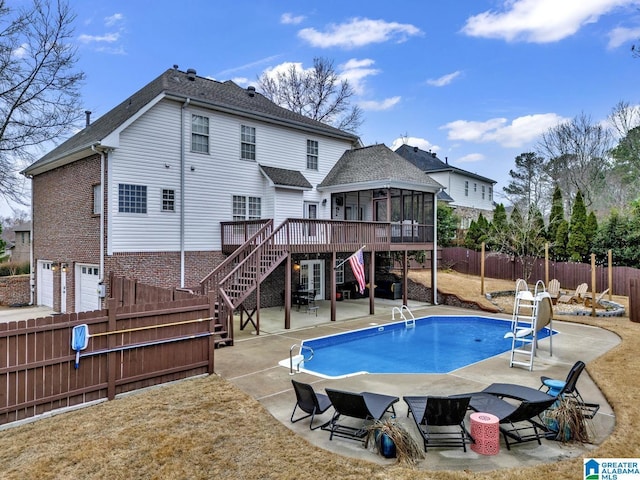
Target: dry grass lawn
207, 428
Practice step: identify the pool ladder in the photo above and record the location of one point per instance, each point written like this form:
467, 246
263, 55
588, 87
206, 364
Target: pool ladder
299, 358
408, 322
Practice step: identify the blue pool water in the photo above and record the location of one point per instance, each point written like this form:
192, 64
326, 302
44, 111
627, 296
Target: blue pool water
437, 344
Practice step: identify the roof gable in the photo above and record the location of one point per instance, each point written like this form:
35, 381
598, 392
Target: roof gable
377, 164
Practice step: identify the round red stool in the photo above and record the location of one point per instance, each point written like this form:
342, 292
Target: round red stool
485, 431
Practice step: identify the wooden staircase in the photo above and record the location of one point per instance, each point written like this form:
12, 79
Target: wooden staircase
239, 275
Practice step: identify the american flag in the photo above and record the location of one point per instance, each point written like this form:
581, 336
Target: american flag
357, 265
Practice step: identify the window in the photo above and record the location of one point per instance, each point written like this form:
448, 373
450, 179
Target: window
132, 198
491, 194
483, 192
246, 208
475, 187
248, 143
199, 134
466, 188
168, 200
340, 271
312, 155
97, 199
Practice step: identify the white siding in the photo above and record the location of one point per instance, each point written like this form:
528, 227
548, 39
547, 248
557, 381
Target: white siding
153, 142
456, 190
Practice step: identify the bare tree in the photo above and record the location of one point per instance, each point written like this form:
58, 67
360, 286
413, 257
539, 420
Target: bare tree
578, 156
317, 93
624, 117
39, 87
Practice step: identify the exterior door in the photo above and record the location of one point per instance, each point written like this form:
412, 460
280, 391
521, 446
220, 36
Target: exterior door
311, 212
87, 297
63, 290
45, 283
312, 276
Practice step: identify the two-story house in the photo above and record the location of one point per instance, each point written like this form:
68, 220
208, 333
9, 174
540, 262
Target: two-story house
18, 242
469, 193
200, 184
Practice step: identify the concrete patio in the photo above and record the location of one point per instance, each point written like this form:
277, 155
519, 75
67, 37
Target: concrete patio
252, 365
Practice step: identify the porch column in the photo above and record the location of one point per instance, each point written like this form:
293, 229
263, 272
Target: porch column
287, 293
333, 286
372, 283
405, 281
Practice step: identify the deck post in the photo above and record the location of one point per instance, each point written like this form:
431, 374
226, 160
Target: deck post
372, 283
333, 286
287, 293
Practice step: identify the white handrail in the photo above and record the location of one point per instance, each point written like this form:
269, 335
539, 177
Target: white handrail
408, 322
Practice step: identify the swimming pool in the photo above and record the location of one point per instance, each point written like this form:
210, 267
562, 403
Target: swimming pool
437, 344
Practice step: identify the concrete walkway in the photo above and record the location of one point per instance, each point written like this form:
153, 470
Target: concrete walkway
252, 365
10, 314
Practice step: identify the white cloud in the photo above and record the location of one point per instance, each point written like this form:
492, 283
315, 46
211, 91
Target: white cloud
421, 143
290, 19
375, 105
539, 21
106, 38
358, 32
520, 132
471, 158
113, 19
356, 71
444, 80
242, 81
621, 35
21, 51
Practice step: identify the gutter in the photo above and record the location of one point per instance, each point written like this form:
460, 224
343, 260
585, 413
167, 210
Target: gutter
182, 182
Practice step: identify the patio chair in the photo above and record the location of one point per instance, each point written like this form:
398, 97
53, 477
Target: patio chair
575, 297
365, 407
599, 297
568, 388
440, 420
518, 422
554, 290
310, 402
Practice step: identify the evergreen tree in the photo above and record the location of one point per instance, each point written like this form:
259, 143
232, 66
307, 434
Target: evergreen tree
578, 247
447, 224
537, 223
556, 216
499, 225
613, 235
477, 233
562, 240
591, 229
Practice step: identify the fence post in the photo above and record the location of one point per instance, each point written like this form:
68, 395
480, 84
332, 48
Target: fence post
634, 300
212, 328
112, 357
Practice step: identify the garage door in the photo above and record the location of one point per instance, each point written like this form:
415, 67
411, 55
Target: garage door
45, 283
87, 297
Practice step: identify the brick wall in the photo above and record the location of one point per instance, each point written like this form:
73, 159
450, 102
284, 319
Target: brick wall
65, 230
15, 290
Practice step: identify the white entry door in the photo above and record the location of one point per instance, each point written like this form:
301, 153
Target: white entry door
45, 283
87, 297
312, 276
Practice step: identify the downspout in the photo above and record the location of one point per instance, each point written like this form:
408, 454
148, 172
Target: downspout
102, 167
182, 182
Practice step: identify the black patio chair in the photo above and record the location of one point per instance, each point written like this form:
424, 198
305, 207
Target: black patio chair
366, 407
440, 420
569, 388
519, 422
310, 402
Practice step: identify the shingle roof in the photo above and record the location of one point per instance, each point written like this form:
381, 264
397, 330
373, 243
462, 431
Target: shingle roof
281, 177
376, 164
430, 163
222, 96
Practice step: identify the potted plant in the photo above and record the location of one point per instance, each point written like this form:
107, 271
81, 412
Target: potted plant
567, 421
393, 441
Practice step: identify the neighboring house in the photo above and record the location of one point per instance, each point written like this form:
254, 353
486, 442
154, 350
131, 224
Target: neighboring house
18, 242
469, 193
171, 185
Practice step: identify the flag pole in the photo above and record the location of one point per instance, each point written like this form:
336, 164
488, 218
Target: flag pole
347, 259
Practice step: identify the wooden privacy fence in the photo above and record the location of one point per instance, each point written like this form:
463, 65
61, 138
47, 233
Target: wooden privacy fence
129, 347
570, 274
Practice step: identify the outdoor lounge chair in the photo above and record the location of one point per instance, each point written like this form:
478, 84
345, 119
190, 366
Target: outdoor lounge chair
440, 420
554, 290
310, 402
599, 297
518, 422
568, 388
575, 297
366, 407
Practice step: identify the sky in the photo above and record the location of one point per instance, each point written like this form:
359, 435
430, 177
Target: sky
476, 81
